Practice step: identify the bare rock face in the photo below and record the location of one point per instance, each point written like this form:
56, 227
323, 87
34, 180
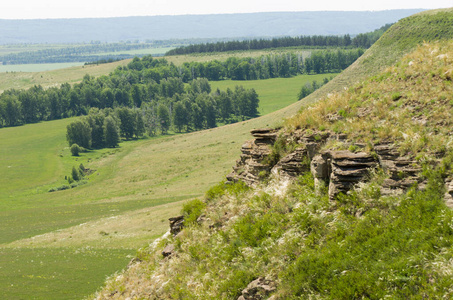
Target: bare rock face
257, 289
176, 224
348, 169
320, 169
339, 170
403, 171
293, 164
251, 164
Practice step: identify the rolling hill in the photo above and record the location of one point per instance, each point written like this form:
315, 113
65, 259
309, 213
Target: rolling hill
141, 184
301, 240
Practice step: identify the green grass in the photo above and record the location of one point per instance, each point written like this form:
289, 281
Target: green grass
275, 93
127, 182
140, 183
152, 51
64, 273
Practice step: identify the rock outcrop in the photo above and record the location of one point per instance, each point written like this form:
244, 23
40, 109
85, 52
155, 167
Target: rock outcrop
176, 225
403, 171
251, 165
340, 170
257, 289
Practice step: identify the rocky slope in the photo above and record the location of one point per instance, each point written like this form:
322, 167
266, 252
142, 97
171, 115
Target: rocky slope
347, 200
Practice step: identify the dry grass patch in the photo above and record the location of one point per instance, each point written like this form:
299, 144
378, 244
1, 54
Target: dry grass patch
129, 230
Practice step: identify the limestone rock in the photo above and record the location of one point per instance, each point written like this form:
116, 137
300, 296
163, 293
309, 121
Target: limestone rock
292, 164
347, 169
176, 224
403, 170
257, 289
168, 251
449, 194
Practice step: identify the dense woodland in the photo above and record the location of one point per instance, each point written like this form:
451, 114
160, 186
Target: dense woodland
363, 40
150, 81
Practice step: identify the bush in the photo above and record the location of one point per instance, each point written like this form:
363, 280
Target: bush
75, 174
192, 210
75, 150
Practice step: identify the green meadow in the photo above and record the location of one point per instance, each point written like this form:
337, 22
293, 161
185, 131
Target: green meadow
70, 240
275, 93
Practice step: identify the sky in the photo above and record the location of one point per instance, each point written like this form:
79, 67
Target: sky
45, 9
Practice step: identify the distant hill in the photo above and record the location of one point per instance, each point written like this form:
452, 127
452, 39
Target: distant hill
196, 26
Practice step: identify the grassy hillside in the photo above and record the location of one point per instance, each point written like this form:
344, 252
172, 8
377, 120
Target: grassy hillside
400, 39
125, 204
362, 246
142, 181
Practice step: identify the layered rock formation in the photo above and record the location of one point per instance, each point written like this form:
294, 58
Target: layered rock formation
340, 170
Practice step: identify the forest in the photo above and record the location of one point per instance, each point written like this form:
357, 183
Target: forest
363, 40
150, 81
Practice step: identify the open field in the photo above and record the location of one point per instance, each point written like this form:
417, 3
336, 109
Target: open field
149, 51
24, 80
222, 56
37, 67
275, 93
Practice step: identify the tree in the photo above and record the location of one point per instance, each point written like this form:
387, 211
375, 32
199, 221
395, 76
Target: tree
179, 116
11, 111
79, 132
75, 174
136, 95
127, 121
111, 132
164, 118
96, 121
139, 128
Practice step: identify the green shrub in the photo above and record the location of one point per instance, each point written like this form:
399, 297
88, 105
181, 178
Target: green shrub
216, 191
75, 150
192, 210
75, 174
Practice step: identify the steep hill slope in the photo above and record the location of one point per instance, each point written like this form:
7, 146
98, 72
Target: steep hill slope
288, 240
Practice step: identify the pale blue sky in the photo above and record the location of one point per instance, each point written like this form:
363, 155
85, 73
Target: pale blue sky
32, 9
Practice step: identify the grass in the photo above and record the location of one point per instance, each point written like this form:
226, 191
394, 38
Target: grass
222, 56
275, 93
125, 204
37, 67
60, 273
408, 104
24, 80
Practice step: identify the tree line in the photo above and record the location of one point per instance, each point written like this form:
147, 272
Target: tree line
247, 68
363, 40
126, 88
150, 80
195, 109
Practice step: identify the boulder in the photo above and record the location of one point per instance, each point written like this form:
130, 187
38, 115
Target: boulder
257, 289
168, 251
176, 225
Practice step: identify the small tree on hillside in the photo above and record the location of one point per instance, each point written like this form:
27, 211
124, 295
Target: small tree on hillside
164, 118
79, 132
111, 132
179, 116
75, 150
